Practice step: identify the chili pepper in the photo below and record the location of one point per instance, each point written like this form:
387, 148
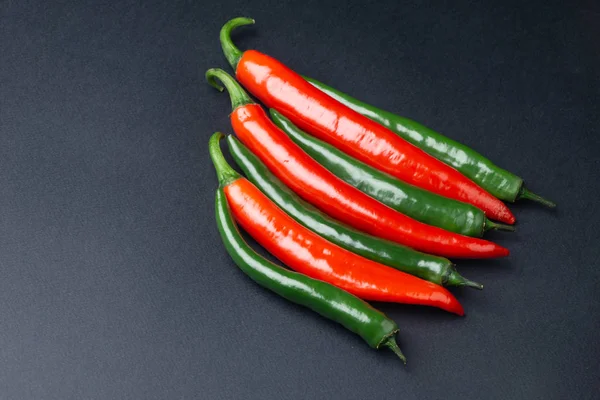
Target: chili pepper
277, 86
320, 187
430, 208
331, 302
432, 268
499, 182
310, 254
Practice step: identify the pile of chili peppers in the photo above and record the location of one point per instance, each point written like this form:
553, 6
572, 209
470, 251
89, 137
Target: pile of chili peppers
361, 203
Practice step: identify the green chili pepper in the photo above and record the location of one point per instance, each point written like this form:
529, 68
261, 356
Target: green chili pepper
497, 181
329, 301
435, 269
420, 204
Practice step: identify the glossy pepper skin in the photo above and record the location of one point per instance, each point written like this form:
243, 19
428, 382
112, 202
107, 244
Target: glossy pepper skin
315, 184
331, 302
497, 181
431, 268
310, 254
277, 86
424, 206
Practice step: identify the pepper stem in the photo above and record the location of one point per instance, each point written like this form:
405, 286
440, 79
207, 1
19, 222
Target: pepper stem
473, 285
238, 96
491, 225
391, 344
232, 53
453, 278
526, 194
225, 173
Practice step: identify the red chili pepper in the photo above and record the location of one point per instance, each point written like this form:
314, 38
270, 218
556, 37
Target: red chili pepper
320, 187
277, 86
311, 255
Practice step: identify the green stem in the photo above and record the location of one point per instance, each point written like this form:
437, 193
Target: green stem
225, 173
453, 278
232, 53
473, 285
526, 194
390, 343
490, 225
238, 96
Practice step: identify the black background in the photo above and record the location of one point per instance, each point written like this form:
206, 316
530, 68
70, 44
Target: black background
114, 282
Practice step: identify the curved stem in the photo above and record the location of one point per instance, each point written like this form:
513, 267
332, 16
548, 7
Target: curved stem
232, 53
392, 345
491, 225
238, 96
225, 173
526, 194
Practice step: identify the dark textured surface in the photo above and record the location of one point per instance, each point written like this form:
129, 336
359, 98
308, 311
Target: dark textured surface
113, 281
